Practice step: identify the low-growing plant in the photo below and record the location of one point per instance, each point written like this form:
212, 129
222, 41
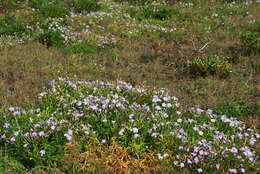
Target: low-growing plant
251, 37
82, 48
211, 65
52, 8
138, 119
11, 25
238, 109
6, 5
51, 37
161, 12
135, 2
86, 5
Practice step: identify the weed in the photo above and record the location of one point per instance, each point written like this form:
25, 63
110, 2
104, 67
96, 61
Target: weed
11, 25
6, 5
157, 12
135, 2
211, 65
251, 37
238, 109
86, 5
82, 48
51, 38
53, 8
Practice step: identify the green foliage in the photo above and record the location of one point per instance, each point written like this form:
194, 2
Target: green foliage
51, 37
135, 2
6, 5
82, 48
250, 37
161, 12
11, 25
52, 8
8, 164
136, 118
237, 109
211, 65
86, 5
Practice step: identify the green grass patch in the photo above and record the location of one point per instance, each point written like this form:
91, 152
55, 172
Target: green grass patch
211, 65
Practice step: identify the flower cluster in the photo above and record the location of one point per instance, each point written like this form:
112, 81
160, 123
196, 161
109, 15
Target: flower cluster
137, 118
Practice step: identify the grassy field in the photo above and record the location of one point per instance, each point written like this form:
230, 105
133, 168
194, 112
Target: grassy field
129, 86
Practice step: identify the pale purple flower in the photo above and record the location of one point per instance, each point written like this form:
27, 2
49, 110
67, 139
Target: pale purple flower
6, 125
232, 170
12, 139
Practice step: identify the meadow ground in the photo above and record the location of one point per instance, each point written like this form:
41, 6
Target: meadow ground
205, 53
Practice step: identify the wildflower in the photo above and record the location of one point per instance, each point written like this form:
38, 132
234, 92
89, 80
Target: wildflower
175, 163
179, 120
181, 165
103, 141
12, 139
121, 132
233, 150
201, 133
6, 125
135, 130
159, 156
41, 133
232, 170
42, 152
136, 135
199, 170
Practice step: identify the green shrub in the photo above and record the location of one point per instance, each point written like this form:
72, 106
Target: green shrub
86, 5
250, 37
10, 25
51, 37
81, 48
211, 65
52, 8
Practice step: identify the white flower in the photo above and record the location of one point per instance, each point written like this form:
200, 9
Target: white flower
181, 165
199, 170
178, 113
42, 152
201, 133
136, 135
179, 120
121, 132
135, 130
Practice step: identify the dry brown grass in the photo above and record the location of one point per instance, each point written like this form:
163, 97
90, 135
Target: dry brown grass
113, 159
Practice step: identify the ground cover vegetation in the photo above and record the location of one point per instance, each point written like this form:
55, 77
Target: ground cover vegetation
129, 86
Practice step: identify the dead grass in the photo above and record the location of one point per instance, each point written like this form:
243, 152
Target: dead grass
113, 159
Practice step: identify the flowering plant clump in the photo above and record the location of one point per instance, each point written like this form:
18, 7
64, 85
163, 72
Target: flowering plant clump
140, 119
